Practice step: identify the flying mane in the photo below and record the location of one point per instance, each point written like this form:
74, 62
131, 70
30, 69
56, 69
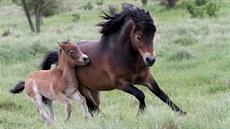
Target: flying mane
141, 18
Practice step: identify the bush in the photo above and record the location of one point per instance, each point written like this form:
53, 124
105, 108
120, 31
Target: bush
180, 55
196, 11
52, 9
36, 47
6, 33
88, 6
144, 2
184, 40
198, 8
76, 17
212, 8
99, 2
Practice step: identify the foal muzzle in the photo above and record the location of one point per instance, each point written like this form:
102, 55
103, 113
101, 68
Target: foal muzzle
84, 59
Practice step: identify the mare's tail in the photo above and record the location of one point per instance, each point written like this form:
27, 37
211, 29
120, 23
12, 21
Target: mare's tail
18, 88
51, 57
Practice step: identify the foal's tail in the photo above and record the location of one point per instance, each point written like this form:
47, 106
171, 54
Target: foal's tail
51, 57
18, 88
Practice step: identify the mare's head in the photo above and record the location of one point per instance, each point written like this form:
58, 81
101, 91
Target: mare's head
134, 24
72, 53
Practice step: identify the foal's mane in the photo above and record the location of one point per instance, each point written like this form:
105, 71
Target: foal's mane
140, 17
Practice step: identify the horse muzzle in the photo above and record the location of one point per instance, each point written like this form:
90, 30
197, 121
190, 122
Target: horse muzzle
149, 60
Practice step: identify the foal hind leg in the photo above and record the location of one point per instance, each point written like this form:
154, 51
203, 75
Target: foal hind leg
49, 105
41, 111
78, 97
62, 98
129, 88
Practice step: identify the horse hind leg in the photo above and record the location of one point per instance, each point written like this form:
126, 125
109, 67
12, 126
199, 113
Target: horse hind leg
62, 98
92, 99
78, 97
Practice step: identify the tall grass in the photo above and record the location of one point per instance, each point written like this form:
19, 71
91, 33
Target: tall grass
192, 67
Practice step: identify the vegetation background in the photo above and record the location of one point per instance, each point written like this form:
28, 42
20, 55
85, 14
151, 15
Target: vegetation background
193, 67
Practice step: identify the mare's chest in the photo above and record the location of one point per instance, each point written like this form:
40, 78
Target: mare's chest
135, 72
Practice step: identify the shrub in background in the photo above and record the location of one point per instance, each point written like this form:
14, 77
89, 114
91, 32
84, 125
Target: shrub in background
99, 2
144, 2
200, 8
88, 6
75, 17
180, 55
6, 33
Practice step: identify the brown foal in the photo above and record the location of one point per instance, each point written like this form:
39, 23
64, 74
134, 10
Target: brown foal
59, 83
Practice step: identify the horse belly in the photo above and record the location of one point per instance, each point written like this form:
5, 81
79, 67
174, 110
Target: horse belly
92, 75
94, 79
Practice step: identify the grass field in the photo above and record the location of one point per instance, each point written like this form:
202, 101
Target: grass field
193, 68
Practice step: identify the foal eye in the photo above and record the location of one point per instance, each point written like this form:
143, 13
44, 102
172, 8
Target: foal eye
71, 53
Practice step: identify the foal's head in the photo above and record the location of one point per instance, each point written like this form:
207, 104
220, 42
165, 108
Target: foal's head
73, 53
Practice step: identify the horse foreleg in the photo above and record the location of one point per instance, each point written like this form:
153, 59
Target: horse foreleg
78, 97
129, 88
153, 86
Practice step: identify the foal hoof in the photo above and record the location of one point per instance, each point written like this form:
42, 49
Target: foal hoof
182, 113
51, 122
140, 112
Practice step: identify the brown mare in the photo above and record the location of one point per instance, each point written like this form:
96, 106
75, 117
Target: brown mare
120, 59
59, 83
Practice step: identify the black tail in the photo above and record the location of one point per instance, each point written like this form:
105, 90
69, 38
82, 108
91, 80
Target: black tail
51, 57
18, 88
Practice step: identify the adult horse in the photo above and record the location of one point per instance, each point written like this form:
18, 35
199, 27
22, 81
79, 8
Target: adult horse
120, 59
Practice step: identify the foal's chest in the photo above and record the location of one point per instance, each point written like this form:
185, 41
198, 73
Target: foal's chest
71, 85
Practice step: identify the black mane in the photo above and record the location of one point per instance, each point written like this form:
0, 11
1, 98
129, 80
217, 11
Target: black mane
141, 18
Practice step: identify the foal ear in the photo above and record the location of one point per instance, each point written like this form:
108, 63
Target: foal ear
61, 45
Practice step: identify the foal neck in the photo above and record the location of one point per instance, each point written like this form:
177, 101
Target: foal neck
65, 64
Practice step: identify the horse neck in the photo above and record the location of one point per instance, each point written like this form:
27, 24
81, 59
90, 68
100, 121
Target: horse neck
121, 50
121, 39
65, 65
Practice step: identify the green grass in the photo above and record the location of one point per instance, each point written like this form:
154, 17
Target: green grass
192, 67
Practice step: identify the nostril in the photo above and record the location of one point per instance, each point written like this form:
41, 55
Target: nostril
147, 59
150, 60
85, 59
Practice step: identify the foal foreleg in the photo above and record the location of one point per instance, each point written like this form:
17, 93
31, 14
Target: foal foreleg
78, 97
62, 98
129, 88
153, 86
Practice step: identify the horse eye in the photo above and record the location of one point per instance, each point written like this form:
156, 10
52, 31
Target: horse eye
139, 37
